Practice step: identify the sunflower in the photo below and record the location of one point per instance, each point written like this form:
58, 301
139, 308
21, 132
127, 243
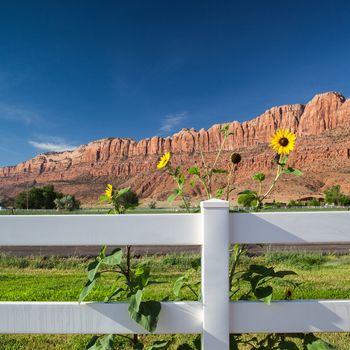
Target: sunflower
109, 191
164, 160
283, 141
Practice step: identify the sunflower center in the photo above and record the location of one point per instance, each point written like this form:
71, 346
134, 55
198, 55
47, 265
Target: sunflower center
283, 141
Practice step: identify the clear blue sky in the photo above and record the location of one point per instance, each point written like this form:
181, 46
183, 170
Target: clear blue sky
75, 71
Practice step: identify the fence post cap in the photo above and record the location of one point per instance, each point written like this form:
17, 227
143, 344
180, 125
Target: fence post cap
215, 203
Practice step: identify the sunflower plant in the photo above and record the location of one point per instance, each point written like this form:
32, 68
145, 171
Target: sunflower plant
256, 281
131, 280
283, 143
121, 200
178, 177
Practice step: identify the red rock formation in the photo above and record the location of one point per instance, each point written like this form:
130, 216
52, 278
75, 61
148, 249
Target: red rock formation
323, 143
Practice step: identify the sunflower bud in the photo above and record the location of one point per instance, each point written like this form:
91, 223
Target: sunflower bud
236, 158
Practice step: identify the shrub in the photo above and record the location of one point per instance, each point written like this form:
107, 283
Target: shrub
37, 198
67, 203
152, 205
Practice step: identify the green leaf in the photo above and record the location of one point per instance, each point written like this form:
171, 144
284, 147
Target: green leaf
115, 258
86, 290
142, 273
287, 345
92, 269
264, 294
293, 171
107, 341
319, 345
123, 191
102, 253
282, 274
261, 270
160, 344
114, 294
173, 196
247, 192
194, 171
247, 199
181, 180
259, 177
135, 301
92, 342
178, 285
147, 314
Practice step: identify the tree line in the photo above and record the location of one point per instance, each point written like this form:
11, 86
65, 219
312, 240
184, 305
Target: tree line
42, 198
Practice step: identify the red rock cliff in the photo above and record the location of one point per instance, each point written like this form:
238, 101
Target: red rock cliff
128, 161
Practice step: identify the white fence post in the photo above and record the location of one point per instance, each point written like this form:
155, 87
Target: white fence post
215, 270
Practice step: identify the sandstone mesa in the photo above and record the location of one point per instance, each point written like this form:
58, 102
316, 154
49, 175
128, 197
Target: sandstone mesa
322, 152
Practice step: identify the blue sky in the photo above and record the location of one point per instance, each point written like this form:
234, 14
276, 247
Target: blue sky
75, 71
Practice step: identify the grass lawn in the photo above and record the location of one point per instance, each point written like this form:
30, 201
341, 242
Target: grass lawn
58, 279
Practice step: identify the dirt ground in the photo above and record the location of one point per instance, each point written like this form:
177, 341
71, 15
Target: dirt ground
88, 251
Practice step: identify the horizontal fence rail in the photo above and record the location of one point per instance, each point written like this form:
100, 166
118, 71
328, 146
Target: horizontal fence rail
172, 229
295, 316
295, 228
135, 229
90, 318
215, 317
292, 316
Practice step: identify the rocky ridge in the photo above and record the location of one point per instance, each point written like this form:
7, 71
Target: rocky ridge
323, 151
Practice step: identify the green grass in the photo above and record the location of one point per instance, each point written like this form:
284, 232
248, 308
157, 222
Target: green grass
61, 279
90, 211
170, 210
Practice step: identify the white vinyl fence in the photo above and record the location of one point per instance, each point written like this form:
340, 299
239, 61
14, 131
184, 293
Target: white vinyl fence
214, 317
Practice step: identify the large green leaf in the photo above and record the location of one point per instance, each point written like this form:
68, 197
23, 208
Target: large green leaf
104, 342
92, 269
115, 258
146, 315
264, 294
261, 269
86, 290
178, 285
319, 345
135, 301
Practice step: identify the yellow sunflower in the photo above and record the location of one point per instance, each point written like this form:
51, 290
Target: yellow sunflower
283, 141
109, 191
164, 160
